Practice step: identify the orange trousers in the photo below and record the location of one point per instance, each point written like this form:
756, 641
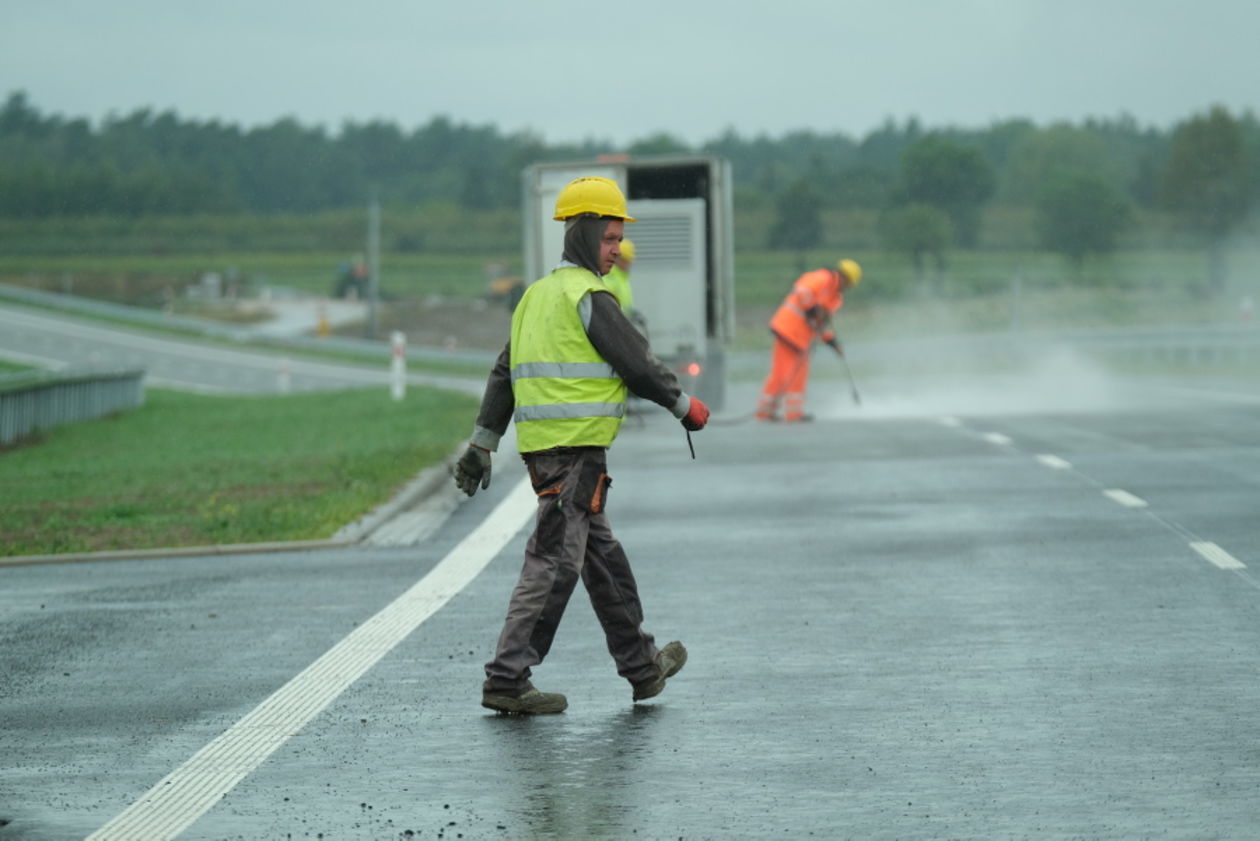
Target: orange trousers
789, 372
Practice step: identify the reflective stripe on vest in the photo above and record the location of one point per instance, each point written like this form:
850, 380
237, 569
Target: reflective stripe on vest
556, 411
563, 370
566, 394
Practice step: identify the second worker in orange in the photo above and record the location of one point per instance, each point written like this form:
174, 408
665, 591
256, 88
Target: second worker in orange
803, 317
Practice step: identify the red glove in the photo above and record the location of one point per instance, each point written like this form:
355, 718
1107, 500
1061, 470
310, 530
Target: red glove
697, 415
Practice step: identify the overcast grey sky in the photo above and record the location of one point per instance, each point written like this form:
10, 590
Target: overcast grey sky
619, 72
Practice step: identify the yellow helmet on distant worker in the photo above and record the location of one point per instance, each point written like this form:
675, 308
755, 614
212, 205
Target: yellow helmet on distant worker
627, 249
591, 194
851, 270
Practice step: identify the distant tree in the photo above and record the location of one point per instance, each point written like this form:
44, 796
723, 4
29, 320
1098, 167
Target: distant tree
660, 143
1080, 214
856, 187
19, 118
1041, 158
920, 232
798, 222
1141, 154
1207, 182
949, 176
885, 148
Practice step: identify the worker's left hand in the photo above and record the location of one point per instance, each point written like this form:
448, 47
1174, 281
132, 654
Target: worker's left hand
472, 468
697, 416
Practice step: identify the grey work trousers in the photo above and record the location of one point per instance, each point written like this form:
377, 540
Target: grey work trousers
570, 540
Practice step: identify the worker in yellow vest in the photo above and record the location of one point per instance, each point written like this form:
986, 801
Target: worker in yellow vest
563, 379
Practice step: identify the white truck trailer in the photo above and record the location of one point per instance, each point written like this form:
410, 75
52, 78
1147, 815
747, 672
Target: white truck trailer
683, 272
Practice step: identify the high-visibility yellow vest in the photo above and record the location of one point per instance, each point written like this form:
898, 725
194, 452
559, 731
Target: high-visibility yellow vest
618, 283
566, 394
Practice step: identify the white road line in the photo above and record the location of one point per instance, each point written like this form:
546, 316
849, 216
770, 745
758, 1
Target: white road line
192, 789
1125, 498
1216, 555
997, 438
1054, 462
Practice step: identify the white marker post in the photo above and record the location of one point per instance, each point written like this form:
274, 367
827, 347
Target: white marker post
398, 365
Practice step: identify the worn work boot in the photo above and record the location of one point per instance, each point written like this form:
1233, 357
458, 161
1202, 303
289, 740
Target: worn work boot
528, 701
668, 661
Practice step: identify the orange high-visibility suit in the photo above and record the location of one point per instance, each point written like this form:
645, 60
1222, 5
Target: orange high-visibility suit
804, 315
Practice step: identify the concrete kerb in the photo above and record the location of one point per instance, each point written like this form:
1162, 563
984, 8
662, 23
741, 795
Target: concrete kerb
425, 483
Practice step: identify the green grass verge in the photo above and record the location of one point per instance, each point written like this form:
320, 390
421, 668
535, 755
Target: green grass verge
189, 470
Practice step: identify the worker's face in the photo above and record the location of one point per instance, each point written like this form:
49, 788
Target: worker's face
610, 244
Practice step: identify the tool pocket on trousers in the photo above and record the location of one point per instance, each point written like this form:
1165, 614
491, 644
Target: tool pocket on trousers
591, 493
545, 483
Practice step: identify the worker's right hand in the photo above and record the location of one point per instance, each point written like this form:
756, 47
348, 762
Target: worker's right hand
472, 468
697, 415
835, 345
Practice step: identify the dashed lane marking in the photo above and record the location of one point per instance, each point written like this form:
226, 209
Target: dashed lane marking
1125, 498
1216, 555
192, 789
1054, 462
1205, 548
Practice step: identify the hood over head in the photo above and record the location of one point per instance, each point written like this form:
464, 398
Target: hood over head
582, 237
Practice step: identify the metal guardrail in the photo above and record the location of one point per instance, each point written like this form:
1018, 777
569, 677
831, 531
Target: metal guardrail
34, 400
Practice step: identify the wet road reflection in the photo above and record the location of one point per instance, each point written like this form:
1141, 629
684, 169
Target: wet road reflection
575, 779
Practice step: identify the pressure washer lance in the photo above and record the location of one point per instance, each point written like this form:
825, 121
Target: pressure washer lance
835, 345
690, 445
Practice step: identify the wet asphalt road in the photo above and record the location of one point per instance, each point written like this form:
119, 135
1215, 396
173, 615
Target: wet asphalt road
904, 622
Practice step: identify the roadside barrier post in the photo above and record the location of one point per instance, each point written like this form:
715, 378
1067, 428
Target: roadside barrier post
398, 365
323, 328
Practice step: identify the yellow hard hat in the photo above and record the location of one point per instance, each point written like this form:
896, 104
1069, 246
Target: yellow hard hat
851, 270
591, 194
627, 249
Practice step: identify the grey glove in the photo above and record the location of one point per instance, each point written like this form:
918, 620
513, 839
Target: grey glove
473, 467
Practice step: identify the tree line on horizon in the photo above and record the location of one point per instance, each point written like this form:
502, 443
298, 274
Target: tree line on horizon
1085, 181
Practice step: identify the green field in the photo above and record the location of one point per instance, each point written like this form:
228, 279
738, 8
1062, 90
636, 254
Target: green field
187, 470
